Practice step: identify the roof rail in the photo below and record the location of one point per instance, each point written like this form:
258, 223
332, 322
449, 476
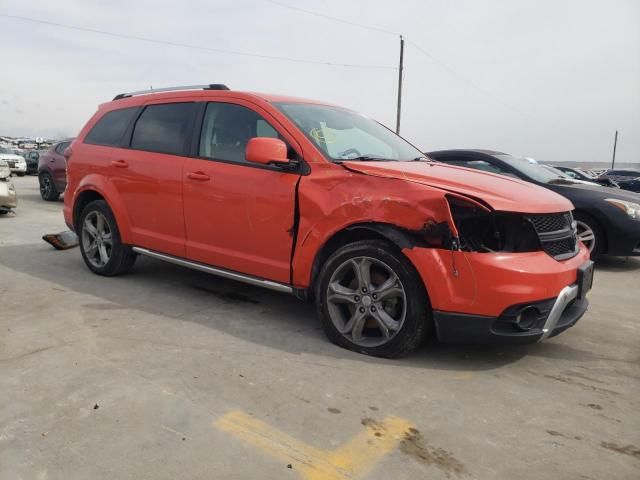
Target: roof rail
211, 86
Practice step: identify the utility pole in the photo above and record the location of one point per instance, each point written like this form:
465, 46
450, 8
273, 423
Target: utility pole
400, 85
615, 144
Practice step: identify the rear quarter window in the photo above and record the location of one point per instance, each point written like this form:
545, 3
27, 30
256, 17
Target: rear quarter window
110, 129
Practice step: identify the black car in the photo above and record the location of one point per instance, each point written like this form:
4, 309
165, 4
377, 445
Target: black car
32, 160
631, 185
620, 175
607, 220
582, 175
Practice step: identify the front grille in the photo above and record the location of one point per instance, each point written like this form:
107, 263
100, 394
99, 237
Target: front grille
11, 163
551, 223
560, 247
557, 234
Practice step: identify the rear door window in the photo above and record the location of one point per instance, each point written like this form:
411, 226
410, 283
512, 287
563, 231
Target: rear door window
62, 147
164, 128
111, 127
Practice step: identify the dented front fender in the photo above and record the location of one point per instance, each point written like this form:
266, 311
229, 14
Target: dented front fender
333, 199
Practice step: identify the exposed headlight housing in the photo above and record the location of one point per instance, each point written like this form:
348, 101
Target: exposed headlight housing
630, 208
491, 232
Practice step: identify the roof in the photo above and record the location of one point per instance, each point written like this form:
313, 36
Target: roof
213, 90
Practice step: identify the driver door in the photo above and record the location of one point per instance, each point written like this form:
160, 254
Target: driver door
238, 215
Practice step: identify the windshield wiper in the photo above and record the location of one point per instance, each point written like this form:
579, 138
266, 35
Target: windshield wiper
421, 158
364, 158
562, 181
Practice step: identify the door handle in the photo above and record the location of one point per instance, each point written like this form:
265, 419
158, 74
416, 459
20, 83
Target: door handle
120, 164
203, 177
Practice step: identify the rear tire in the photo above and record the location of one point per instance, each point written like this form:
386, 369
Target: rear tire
370, 299
590, 232
48, 190
100, 243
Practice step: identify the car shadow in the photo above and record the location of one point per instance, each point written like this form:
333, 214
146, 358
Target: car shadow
618, 264
253, 314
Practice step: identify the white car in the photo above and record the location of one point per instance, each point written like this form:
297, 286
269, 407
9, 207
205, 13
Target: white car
8, 199
16, 163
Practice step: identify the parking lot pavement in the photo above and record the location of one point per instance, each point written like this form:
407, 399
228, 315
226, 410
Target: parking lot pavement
167, 373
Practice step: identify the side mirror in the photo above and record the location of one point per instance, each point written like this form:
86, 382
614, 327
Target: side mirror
266, 150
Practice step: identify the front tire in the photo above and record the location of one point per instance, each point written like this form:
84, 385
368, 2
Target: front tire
48, 190
370, 299
100, 243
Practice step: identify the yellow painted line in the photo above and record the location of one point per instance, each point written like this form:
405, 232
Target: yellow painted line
463, 376
355, 458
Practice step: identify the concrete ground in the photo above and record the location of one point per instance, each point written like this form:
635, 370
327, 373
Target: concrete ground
167, 373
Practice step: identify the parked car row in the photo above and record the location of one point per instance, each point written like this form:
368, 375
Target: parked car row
626, 179
15, 163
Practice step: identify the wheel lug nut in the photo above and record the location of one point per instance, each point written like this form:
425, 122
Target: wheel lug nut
361, 309
373, 309
356, 298
364, 289
374, 296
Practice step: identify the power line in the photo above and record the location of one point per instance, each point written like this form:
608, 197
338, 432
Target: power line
191, 46
424, 52
336, 19
469, 82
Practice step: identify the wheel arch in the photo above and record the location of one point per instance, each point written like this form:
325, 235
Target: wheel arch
393, 234
97, 188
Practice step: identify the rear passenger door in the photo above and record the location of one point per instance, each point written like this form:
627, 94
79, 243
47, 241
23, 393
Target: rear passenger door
148, 175
239, 215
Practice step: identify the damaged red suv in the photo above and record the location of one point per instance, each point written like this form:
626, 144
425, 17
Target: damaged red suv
325, 203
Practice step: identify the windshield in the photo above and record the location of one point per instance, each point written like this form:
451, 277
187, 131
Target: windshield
5, 150
533, 170
346, 135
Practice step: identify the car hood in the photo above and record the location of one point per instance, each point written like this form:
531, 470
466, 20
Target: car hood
499, 192
598, 192
10, 156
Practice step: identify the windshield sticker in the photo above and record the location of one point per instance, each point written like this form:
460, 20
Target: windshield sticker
322, 137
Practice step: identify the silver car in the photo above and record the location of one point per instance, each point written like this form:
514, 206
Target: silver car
8, 198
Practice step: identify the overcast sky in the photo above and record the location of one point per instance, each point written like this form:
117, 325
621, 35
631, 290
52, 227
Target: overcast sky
550, 79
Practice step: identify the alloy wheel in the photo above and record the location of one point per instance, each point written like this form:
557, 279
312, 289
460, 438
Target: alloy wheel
586, 234
97, 239
45, 186
366, 301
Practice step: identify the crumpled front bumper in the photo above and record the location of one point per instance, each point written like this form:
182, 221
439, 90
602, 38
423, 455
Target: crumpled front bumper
564, 312
477, 297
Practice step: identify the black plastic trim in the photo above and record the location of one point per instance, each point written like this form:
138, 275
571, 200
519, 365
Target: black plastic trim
463, 328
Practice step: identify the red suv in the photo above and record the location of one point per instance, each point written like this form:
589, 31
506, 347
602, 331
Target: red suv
322, 202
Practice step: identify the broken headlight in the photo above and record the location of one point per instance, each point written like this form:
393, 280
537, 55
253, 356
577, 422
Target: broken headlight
486, 231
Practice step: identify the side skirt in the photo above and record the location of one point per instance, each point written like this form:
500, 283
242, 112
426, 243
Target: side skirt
260, 282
